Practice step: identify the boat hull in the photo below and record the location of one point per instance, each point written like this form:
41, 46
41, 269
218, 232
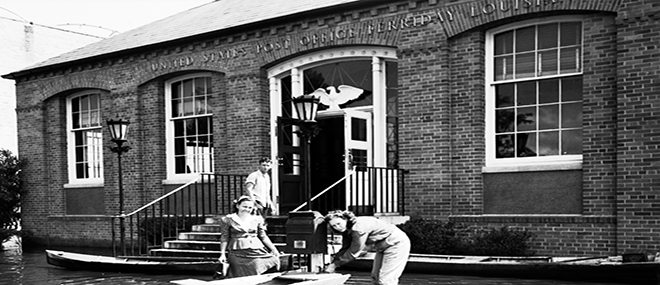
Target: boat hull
142, 264
106, 263
596, 269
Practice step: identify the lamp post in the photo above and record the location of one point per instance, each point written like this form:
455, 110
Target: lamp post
307, 107
118, 129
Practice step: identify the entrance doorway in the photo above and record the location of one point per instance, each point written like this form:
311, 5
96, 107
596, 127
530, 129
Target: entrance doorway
343, 143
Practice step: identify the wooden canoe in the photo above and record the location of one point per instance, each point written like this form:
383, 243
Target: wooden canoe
79, 261
597, 268
302, 278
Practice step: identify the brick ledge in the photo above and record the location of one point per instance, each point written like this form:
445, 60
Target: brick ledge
573, 219
84, 218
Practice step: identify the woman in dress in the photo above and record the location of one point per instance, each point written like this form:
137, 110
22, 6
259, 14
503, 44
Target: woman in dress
391, 244
244, 243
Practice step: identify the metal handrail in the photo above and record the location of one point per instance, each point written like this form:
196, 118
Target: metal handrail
325, 190
164, 196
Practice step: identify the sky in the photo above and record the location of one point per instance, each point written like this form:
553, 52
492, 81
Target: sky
97, 17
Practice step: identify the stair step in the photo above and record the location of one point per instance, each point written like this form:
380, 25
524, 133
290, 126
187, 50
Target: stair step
207, 228
185, 252
192, 244
277, 238
202, 236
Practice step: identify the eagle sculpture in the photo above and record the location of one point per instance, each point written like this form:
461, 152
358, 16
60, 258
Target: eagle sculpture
337, 96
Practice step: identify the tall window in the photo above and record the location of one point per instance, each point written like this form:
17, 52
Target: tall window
190, 125
535, 95
85, 138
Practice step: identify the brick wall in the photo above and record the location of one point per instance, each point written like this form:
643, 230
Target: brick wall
638, 126
441, 89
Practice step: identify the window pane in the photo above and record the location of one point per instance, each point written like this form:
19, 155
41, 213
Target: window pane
180, 165
75, 105
569, 60
548, 117
176, 90
200, 86
504, 120
525, 65
571, 33
548, 62
359, 129
203, 127
504, 43
525, 39
504, 146
177, 111
209, 86
526, 119
571, 115
549, 91
504, 67
188, 107
191, 127
81, 171
548, 36
548, 143
504, 94
75, 120
571, 89
178, 128
200, 106
571, 142
526, 145
95, 119
526, 93
84, 103
187, 88
179, 146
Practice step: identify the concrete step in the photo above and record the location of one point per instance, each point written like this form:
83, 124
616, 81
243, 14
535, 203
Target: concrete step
192, 244
202, 236
190, 253
206, 228
277, 238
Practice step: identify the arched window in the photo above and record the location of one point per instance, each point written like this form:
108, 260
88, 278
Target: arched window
534, 93
85, 137
189, 125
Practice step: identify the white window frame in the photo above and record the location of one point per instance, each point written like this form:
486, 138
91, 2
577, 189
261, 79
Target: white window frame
71, 143
493, 164
173, 177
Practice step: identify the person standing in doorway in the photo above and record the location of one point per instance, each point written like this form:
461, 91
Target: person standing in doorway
257, 186
392, 245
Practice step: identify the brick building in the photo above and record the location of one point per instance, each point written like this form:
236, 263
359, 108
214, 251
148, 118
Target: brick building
541, 114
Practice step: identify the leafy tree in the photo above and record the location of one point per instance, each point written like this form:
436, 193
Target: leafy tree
11, 190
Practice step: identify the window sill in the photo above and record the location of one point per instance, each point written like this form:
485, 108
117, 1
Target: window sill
533, 167
83, 185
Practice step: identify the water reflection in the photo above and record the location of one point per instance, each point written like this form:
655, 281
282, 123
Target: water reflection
30, 267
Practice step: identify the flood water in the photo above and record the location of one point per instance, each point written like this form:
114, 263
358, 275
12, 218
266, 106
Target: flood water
30, 267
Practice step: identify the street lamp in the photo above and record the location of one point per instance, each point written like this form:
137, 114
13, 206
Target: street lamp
307, 107
118, 130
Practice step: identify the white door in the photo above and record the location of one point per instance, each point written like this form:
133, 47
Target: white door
358, 138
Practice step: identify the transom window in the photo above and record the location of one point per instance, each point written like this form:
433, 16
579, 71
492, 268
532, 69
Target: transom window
534, 101
190, 127
85, 138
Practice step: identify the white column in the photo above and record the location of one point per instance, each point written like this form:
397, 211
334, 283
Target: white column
296, 90
275, 110
380, 112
